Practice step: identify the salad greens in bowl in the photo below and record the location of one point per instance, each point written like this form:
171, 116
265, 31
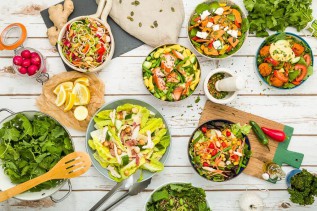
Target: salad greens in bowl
284, 61
216, 30
126, 136
219, 150
177, 196
31, 143
171, 72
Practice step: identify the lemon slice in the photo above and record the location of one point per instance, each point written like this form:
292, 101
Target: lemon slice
69, 101
82, 94
68, 86
81, 113
83, 80
61, 97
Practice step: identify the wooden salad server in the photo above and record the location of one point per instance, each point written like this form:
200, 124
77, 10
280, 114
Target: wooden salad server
70, 166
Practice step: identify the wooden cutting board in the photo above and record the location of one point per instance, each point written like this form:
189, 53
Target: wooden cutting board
260, 154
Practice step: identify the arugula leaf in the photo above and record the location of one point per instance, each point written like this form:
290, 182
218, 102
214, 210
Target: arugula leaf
10, 134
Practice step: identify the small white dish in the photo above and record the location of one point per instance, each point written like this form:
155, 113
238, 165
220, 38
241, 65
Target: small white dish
231, 95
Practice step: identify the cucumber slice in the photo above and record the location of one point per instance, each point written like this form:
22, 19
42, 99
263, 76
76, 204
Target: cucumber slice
147, 64
295, 60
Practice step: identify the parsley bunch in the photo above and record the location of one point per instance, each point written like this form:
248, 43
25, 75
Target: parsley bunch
29, 149
276, 15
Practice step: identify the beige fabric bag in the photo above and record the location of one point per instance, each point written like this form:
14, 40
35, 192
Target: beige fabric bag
155, 22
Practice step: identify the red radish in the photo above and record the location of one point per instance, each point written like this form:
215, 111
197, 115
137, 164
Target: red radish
32, 69
36, 60
26, 62
26, 54
17, 60
33, 54
23, 70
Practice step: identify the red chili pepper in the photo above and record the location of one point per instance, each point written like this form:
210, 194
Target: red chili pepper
223, 144
214, 152
211, 19
271, 60
212, 146
210, 44
195, 38
205, 164
204, 129
229, 48
99, 59
68, 27
277, 135
303, 73
237, 24
280, 76
101, 50
228, 133
86, 48
197, 19
296, 82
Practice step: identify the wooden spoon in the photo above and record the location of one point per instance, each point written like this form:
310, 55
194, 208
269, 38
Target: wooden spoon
70, 166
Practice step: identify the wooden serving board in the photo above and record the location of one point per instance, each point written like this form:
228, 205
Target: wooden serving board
260, 154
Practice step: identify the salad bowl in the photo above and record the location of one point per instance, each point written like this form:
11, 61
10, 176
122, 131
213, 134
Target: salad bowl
224, 29
217, 151
291, 66
97, 162
30, 196
102, 54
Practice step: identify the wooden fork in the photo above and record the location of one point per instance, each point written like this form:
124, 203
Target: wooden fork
70, 166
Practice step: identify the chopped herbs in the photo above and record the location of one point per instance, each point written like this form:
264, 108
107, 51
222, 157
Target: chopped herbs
172, 8
132, 13
130, 18
197, 99
140, 24
135, 3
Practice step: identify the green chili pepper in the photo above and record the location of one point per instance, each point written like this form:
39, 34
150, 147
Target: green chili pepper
260, 134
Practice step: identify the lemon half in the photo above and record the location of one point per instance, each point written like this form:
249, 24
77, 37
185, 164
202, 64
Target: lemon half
61, 97
82, 94
68, 86
69, 101
83, 80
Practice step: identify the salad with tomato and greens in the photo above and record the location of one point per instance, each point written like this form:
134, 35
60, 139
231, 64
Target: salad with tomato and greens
285, 61
129, 138
171, 72
86, 43
219, 150
217, 31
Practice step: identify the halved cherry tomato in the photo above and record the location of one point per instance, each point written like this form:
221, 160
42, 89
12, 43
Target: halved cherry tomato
212, 146
223, 144
228, 133
307, 59
280, 76
271, 60
204, 129
303, 73
101, 50
195, 38
235, 157
205, 164
214, 152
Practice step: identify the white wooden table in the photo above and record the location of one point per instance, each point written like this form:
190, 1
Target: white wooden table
296, 108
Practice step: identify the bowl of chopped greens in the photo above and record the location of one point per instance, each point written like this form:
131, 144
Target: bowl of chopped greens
216, 30
31, 143
219, 150
171, 72
126, 136
177, 196
284, 61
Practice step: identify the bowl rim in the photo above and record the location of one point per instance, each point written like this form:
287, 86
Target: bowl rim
198, 67
87, 136
112, 44
206, 91
191, 137
264, 42
170, 183
216, 58
59, 186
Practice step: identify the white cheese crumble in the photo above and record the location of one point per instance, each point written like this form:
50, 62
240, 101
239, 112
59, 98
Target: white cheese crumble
216, 27
202, 35
209, 24
217, 45
204, 15
233, 33
226, 29
219, 11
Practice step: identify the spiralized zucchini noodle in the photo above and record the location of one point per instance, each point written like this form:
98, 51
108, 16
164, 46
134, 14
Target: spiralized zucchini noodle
86, 44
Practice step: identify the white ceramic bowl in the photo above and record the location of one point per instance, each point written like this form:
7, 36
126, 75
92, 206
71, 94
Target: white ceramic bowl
158, 188
231, 95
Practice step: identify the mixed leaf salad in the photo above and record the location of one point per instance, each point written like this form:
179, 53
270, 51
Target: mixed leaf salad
217, 31
178, 196
171, 72
129, 138
220, 151
86, 43
30, 148
285, 61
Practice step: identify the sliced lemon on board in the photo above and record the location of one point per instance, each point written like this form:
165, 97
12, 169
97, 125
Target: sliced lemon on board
68, 86
82, 94
61, 97
81, 113
83, 80
69, 101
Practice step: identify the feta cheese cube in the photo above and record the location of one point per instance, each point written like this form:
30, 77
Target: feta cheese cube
219, 11
204, 15
226, 29
216, 27
233, 33
202, 35
217, 44
209, 24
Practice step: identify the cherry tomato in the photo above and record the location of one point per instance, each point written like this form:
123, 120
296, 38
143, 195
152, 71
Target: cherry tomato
195, 38
272, 61
303, 73
205, 164
235, 157
212, 146
204, 129
223, 144
228, 133
214, 152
